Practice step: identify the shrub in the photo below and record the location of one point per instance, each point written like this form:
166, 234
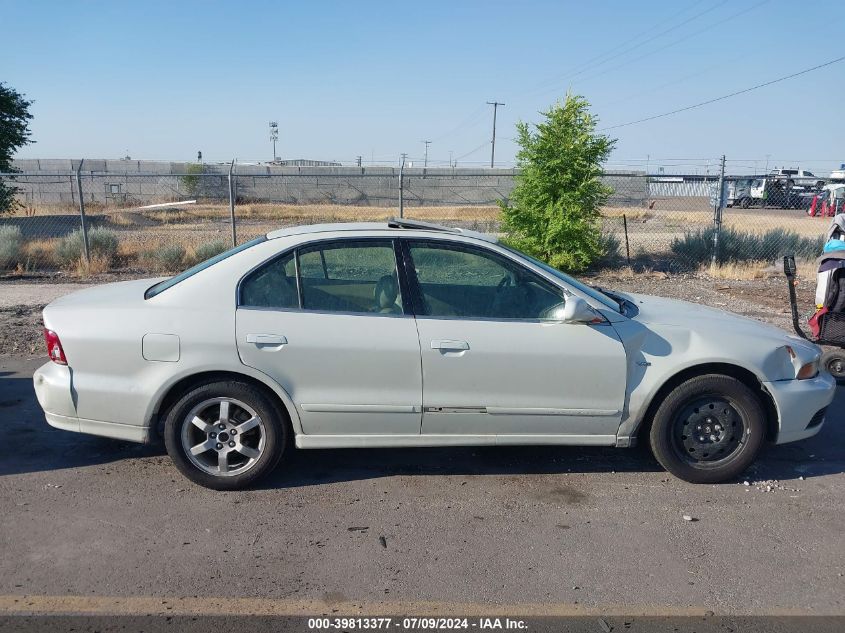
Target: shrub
11, 245
191, 179
696, 247
207, 251
553, 212
166, 259
611, 247
102, 245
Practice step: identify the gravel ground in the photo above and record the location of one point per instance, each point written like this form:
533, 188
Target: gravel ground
104, 525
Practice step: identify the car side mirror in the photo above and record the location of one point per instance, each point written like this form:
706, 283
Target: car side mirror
576, 310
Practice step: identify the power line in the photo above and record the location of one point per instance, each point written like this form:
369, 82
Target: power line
471, 152
590, 64
473, 118
727, 96
652, 90
678, 41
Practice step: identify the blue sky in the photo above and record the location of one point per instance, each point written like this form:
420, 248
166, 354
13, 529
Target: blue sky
165, 79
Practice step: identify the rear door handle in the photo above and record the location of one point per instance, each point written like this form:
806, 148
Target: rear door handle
450, 345
266, 339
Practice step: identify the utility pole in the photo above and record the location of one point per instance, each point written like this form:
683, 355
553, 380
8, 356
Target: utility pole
425, 160
402, 186
450, 157
495, 105
358, 160
717, 214
274, 136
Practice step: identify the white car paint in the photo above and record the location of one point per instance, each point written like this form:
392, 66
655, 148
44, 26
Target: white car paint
378, 380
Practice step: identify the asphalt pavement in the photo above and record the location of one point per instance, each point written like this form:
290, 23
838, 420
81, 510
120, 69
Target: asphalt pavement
103, 526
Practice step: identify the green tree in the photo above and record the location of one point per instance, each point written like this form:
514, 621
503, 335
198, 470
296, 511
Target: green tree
554, 210
191, 179
14, 134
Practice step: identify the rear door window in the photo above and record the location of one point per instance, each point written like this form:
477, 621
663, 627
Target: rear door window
350, 277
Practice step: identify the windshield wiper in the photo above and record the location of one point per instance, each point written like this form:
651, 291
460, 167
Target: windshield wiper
619, 300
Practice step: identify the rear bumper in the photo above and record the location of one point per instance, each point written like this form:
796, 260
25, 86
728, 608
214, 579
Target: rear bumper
798, 404
54, 390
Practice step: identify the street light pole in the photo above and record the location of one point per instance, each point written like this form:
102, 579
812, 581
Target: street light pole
274, 136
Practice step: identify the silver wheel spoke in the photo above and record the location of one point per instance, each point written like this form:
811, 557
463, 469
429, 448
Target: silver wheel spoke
248, 425
201, 424
203, 447
224, 411
248, 451
215, 446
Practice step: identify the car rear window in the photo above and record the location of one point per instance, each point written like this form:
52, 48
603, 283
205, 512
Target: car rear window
161, 286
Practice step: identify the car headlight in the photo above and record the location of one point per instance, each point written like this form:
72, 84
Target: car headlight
808, 370
803, 371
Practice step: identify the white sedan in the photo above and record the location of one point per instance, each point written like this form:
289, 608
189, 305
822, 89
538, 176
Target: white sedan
409, 334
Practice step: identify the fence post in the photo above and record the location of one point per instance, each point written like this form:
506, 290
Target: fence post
627, 244
401, 189
232, 204
83, 226
717, 213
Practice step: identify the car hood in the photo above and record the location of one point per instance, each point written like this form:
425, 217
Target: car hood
661, 311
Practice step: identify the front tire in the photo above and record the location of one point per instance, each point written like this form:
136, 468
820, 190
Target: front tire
708, 429
225, 435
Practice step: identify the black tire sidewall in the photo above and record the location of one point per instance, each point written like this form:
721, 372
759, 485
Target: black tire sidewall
745, 402
828, 357
275, 428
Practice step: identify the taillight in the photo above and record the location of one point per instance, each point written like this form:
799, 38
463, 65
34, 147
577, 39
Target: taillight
54, 347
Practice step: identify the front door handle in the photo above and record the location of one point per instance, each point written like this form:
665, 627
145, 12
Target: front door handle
449, 345
266, 339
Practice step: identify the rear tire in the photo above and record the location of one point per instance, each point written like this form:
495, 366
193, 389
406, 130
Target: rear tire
708, 429
225, 435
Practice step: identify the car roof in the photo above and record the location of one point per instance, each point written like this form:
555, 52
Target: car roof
394, 225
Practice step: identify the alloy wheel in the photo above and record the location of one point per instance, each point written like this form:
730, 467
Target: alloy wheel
223, 437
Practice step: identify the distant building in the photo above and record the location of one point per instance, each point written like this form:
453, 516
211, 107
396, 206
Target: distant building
305, 162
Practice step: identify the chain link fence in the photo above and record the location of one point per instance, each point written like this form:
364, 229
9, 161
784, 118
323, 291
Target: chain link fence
86, 221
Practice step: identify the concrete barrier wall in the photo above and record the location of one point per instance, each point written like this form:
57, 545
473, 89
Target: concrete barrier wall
135, 183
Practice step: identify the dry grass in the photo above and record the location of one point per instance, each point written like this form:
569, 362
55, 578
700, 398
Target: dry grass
122, 219
629, 273
39, 253
310, 213
173, 216
757, 270
741, 270
632, 214
96, 266
651, 227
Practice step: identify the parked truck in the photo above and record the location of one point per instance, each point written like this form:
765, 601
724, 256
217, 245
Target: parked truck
767, 190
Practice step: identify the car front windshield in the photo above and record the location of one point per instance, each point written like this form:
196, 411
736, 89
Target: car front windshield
590, 291
169, 283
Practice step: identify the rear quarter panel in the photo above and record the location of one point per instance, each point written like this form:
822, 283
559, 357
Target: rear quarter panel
111, 381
